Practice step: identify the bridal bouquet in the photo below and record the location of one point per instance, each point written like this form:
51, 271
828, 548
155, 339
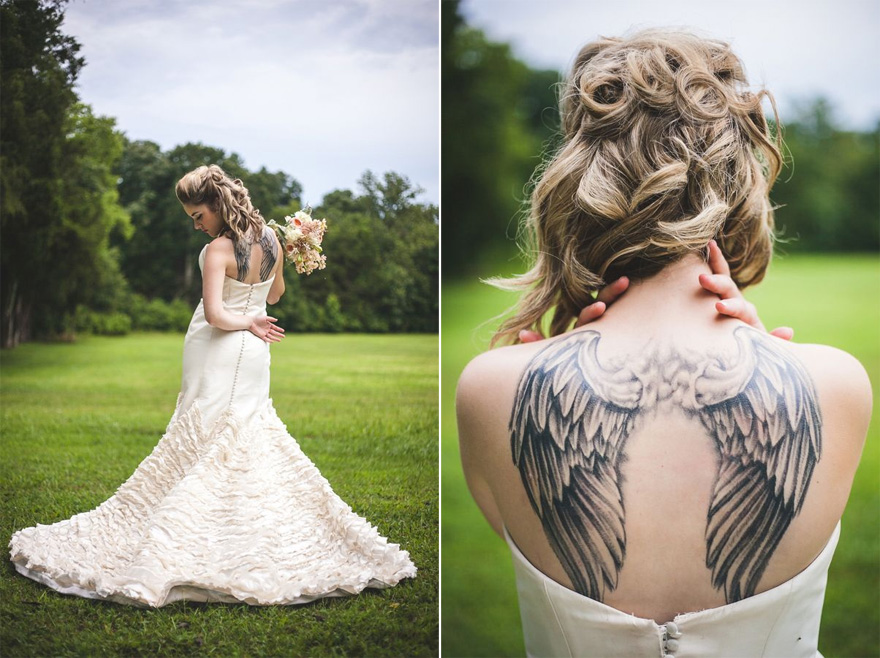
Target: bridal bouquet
301, 237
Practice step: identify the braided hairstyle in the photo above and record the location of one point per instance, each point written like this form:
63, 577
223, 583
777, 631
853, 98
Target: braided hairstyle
664, 149
225, 196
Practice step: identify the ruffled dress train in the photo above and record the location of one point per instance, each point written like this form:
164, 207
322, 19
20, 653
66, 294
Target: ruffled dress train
226, 508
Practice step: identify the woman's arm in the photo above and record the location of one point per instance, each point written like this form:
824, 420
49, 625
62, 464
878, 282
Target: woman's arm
473, 436
218, 254
277, 288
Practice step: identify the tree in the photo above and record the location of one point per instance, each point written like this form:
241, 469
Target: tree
382, 270
828, 197
496, 120
85, 270
408, 243
273, 193
58, 196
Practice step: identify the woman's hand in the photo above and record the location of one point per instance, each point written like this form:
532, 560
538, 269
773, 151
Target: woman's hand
589, 313
264, 327
732, 302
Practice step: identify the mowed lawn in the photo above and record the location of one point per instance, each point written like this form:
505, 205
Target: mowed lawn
833, 300
78, 418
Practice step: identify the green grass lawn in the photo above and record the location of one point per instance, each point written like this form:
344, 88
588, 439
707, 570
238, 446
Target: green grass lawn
78, 418
827, 299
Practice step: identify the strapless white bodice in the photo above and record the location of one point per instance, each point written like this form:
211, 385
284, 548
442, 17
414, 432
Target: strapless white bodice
215, 362
782, 621
239, 297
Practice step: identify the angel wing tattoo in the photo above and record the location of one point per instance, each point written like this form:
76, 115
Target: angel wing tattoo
572, 417
568, 427
764, 415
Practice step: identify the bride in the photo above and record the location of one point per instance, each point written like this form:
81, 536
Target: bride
668, 481
226, 508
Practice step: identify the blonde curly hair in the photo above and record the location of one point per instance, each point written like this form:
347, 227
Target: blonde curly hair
226, 196
664, 149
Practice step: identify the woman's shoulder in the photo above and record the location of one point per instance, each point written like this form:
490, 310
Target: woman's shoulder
842, 384
487, 386
220, 248
835, 365
484, 380
502, 367
497, 365
221, 243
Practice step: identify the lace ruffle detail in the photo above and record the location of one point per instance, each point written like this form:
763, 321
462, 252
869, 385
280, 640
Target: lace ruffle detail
235, 512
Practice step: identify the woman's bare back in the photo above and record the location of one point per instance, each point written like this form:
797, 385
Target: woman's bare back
255, 259
663, 469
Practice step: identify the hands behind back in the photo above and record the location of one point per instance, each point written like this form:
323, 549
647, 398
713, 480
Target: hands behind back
264, 327
732, 302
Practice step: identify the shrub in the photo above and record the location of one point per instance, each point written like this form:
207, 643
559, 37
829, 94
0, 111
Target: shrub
105, 324
111, 324
334, 319
180, 313
159, 315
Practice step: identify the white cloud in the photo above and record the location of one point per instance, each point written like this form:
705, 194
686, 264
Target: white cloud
320, 90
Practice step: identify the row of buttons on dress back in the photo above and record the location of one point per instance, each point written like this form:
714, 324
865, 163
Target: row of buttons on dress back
247, 305
670, 638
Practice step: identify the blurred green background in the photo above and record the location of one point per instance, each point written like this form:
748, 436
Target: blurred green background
824, 282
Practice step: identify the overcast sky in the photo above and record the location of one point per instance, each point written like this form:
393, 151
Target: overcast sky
797, 48
320, 90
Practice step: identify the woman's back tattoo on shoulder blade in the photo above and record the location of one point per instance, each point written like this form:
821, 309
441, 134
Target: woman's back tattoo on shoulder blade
571, 419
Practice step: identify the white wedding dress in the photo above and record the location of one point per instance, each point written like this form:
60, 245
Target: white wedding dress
226, 508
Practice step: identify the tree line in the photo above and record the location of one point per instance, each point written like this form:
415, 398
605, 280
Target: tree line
502, 121
93, 238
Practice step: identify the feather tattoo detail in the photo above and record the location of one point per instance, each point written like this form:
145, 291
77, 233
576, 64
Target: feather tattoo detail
768, 430
567, 432
242, 250
572, 417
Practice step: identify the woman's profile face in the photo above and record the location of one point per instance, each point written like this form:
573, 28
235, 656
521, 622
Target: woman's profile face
204, 219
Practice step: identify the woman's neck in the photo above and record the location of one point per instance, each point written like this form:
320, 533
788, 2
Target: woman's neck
673, 295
